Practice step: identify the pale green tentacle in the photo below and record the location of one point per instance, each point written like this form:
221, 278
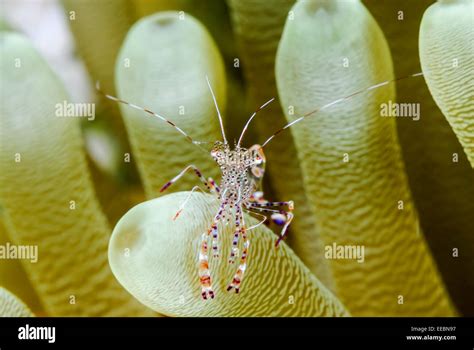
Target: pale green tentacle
351, 160
156, 260
47, 194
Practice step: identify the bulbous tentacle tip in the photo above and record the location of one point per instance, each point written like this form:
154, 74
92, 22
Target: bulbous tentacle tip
317, 5
445, 47
12, 306
163, 264
452, 1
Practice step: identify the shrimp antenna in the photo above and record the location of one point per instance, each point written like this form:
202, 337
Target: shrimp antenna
252, 116
217, 108
146, 110
373, 87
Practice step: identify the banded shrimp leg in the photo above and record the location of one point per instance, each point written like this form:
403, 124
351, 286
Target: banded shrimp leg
209, 183
280, 217
241, 231
205, 279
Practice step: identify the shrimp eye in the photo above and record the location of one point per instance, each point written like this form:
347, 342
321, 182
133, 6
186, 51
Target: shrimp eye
258, 155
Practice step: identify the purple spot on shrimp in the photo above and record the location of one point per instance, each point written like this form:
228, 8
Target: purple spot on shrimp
279, 219
279, 222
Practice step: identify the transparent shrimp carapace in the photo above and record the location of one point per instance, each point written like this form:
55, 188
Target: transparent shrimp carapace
238, 191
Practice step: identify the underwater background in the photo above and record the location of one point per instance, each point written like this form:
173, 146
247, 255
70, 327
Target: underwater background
83, 191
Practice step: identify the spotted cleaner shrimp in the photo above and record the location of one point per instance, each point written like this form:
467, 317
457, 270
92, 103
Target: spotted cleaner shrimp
239, 190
